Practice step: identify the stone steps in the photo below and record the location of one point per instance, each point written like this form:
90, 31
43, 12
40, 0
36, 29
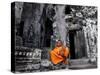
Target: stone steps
78, 61
81, 64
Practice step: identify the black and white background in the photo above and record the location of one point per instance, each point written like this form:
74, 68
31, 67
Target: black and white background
5, 34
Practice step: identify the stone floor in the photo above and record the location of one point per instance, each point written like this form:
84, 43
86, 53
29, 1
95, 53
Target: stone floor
81, 64
46, 65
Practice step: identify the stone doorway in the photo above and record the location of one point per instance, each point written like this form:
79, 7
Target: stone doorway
72, 44
77, 44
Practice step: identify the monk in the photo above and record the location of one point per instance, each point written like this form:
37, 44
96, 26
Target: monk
59, 54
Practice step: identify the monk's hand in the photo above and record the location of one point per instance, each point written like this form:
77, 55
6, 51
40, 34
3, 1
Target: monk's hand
61, 52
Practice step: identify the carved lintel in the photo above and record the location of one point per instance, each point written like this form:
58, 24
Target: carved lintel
75, 27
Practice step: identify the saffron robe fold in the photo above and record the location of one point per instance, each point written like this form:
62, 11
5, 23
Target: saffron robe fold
56, 56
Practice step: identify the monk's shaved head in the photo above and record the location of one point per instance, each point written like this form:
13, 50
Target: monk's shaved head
59, 43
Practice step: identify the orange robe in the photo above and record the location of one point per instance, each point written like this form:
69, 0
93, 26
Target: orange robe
56, 56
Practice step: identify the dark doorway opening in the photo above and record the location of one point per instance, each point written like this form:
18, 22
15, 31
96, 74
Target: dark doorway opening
48, 32
72, 44
21, 28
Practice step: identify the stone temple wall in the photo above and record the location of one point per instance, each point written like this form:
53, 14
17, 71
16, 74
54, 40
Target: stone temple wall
79, 17
32, 20
63, 18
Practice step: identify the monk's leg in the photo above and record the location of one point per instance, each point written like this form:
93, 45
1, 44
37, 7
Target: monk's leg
65, 60
55, 58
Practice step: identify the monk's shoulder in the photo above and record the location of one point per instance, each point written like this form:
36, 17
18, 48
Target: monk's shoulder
67, 48
55, 49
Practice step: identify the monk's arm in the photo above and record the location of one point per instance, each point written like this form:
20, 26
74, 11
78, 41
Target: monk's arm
66, 52
56, 54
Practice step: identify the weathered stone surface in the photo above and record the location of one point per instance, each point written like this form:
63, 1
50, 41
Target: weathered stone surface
37, 54
18, 12
45, 63
27, 58
19, 41
44, 24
